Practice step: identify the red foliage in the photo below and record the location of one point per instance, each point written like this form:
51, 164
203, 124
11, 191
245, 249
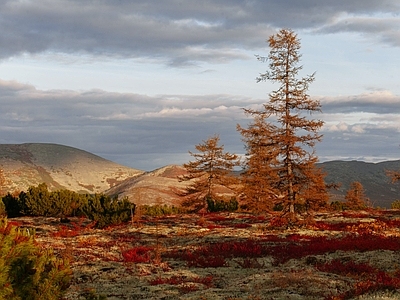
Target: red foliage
216, 218
350, 268
320, 245
215, 255
73, 229
242, 225
376, 281
140, 254
193, 259
213, 226
175, 280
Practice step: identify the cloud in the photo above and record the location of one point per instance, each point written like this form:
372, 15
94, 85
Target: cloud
147, 132
377, 102
179, 33
383, 27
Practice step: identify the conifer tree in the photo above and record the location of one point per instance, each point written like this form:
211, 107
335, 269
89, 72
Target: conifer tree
355, 197
291, 133
28, 271
258, 177
211, 167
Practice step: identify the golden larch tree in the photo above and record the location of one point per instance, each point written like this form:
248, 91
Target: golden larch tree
355, 197
292, 133
258, 191
212, 167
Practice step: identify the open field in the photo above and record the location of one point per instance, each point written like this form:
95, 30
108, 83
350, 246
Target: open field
343, 255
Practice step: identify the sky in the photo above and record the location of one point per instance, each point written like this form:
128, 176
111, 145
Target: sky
142, 82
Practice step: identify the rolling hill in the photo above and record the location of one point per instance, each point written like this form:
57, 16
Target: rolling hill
63, 167
377, 185
60, 167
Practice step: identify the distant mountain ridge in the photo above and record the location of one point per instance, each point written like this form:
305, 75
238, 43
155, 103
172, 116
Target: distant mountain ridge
60, 167
377, 185
64, 167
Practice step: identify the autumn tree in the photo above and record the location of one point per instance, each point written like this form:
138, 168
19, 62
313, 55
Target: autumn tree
211, 168
258, 177
290, 133
393, 175
355, 197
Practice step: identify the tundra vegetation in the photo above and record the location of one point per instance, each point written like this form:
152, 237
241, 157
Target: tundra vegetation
283, 234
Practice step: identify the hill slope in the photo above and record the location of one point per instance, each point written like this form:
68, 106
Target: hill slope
160, 184
60, 167
154, 187
372, 176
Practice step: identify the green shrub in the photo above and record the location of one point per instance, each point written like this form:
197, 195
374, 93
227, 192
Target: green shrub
338, 206
28, 272
3, 211
161, 210
12, 206
395, 204
107, 211
39, 201
220, 205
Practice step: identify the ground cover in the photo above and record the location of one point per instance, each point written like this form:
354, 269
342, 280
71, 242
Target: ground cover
343, 255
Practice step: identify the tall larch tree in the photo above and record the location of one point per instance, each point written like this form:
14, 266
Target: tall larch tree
292, 132
211, 167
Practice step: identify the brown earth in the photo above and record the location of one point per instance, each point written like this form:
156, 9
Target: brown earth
149, 259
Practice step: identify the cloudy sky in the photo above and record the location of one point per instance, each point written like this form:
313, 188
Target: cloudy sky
142, 82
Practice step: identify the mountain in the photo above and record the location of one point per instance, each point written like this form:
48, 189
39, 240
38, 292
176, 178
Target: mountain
154, 187
63, 167
377, 185
157, 187
60, 167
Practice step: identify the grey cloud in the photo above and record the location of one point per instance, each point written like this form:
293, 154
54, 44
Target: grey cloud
173, 32
375, 144
118, 125
379, 102
149, 132
385, 29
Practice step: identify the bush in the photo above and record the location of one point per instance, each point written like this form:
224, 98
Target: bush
26, 271
107, 211
12, 206
3, 211
220, 205
395, 204
338, 206
38, 201
161, 210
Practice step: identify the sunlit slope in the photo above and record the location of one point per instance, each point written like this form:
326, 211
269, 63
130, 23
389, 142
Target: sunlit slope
59, 167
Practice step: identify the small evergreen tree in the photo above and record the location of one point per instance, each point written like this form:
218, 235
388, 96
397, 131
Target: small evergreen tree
37, 202
28, 272
12, 206
107, 211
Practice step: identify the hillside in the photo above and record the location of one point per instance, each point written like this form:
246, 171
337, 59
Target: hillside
60, 167
372, 176
151, 187
66, 167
